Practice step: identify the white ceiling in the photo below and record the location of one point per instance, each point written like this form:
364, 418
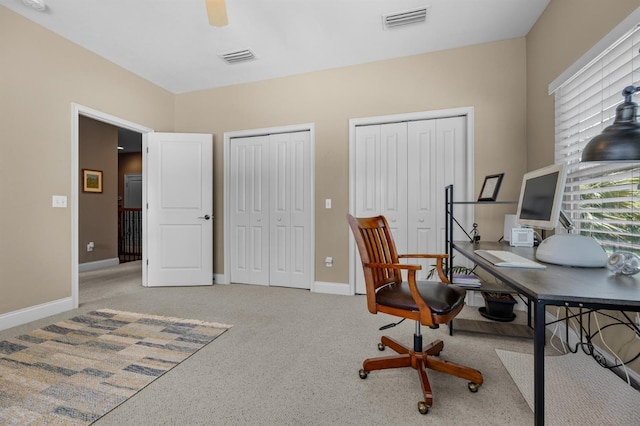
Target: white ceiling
170, 43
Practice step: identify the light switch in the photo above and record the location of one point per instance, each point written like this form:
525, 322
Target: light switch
327, 203
59, 201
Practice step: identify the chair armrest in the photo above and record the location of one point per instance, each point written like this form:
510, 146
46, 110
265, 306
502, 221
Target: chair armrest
439, 263
425, 312
423, 256
393, 266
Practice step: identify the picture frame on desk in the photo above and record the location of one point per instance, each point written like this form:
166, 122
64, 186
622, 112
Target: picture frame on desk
490, 187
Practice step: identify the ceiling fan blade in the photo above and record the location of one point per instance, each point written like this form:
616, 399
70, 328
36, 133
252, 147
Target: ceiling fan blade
217, 12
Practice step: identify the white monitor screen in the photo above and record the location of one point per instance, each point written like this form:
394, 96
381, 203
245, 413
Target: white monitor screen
541, 197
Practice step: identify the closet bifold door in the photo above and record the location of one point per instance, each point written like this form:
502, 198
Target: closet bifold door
381, 180
290, 210
401, 170
249, 212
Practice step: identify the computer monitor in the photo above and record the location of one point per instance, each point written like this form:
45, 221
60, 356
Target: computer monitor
541, 197
540, 207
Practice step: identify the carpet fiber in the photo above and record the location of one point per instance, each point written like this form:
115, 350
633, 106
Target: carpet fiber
577, 390
77, 370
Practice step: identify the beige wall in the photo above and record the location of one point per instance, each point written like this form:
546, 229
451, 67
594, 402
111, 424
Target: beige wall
488, 77
566, 30
98, 212
41, 75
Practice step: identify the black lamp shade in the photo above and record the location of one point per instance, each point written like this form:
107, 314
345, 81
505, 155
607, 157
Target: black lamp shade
619, 141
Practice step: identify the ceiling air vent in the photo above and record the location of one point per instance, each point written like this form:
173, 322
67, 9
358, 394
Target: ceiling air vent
237, 56
408, 17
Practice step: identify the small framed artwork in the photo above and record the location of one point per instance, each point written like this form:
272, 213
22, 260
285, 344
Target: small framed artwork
490, 187
91, 180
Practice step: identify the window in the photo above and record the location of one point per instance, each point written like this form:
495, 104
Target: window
603, 200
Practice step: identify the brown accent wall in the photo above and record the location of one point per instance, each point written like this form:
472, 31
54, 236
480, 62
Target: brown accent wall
98, 212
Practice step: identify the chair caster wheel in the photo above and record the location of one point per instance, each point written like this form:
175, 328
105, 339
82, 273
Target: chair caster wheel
473, 387
423, 408
381, 346
363, 374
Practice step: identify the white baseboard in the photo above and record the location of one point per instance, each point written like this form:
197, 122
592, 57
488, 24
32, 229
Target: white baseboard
33, 313
341, 289
220, 279
98, 264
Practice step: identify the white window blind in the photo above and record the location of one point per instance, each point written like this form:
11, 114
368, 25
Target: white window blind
602, 199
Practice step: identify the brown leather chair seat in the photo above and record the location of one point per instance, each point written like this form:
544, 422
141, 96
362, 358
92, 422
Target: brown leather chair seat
441, 299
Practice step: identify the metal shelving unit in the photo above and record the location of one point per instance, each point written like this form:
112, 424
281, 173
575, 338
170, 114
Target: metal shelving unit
495, 286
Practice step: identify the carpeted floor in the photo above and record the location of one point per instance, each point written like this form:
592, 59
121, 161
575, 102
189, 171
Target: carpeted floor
577, 390
292, 358
75, 371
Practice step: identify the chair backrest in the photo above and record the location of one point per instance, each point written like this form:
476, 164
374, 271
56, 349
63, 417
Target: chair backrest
375, 245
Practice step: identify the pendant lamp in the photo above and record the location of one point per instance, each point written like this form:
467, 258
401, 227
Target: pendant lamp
621, 140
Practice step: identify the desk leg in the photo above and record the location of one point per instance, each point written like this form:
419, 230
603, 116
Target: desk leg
538, 362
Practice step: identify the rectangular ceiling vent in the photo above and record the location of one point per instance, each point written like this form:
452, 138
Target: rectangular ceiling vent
237, 56
408, 17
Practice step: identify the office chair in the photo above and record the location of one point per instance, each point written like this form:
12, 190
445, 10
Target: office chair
429, 303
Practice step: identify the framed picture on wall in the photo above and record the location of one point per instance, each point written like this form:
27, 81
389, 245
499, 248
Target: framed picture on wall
490, 187
91, 180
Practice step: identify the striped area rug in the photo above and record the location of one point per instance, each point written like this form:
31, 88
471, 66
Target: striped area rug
77, 370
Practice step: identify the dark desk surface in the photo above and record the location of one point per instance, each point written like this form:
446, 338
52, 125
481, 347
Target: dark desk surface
559, 284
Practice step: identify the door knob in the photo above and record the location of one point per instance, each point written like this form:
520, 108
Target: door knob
205, 217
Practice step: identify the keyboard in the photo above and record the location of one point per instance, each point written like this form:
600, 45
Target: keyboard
508, 259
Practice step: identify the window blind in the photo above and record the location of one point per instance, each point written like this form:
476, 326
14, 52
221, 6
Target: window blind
602, 199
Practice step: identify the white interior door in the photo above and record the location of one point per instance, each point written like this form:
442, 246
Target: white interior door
401, 172
249, 210
133, 191
290, 218
179, 198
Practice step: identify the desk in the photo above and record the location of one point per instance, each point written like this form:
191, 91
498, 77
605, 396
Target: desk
594, 288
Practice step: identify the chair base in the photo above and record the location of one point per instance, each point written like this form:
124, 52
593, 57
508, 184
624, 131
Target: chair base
420, 361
